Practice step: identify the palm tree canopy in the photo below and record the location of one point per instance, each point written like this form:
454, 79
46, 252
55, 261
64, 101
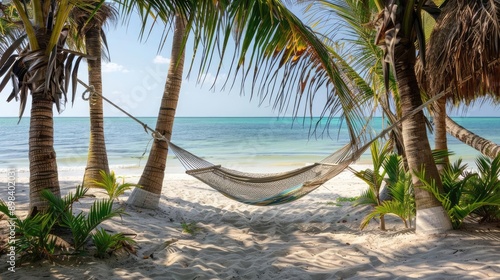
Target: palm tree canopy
284, 61
465, 25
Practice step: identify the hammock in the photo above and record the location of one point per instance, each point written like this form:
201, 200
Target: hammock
266, 189
270, 188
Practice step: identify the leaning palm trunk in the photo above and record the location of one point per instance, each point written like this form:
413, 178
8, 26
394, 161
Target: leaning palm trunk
485, 146
151, 180
97, 157
440, 139
431, 216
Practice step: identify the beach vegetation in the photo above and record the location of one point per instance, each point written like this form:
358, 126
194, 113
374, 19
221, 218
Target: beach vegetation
60, 231
190, 228
113, 188
485, 185
339, 201
468, 192
388, 169
346, 199
380, 60
107, 243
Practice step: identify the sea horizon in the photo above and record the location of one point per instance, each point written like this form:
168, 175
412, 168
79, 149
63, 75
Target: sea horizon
246, 143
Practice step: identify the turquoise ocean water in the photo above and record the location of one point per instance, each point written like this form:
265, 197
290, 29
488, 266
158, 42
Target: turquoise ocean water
243, 143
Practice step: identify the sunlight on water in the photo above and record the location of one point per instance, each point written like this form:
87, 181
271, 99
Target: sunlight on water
245, 143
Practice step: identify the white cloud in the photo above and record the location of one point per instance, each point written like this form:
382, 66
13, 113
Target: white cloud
210, 79
113, 67
161, 60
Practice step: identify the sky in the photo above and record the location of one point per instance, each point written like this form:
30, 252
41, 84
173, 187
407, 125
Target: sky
134, 79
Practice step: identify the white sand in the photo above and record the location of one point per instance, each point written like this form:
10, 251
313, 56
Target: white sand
306, 239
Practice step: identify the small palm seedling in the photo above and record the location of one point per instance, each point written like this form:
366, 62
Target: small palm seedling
36, 239
111, 186
81, 225
374, 178
107, 243
36, 233
400, 189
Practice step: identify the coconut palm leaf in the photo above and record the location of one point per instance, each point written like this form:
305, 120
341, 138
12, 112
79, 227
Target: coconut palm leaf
100, 211
367, 197
285, 63
109, 183
391, 207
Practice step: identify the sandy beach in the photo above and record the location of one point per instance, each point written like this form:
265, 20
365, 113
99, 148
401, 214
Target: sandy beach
316, 237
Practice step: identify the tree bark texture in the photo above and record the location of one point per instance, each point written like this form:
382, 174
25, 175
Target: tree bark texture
152, 177
97, 159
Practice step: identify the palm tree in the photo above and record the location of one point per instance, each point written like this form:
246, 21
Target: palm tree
396, 36
485, 146
89, 25
151, 179
398, 30
42, 70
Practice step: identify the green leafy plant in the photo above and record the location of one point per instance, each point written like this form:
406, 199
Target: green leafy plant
485, 186
374, 179
37, 234
35, 240
81, 225
346, 199
190, 228
456, 198
111, 186
400, 189
107, 243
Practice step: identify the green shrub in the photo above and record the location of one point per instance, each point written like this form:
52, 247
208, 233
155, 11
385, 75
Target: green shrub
464, 192
485, 186
37, 239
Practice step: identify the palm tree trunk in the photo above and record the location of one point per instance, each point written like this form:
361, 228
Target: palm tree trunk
42, 156
485, 146
97, 159
431, 217
440, 139
151, 180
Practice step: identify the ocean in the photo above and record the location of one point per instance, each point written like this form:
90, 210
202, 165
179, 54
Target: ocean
254, 144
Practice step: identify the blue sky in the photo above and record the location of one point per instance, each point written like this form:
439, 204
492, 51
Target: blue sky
135, 77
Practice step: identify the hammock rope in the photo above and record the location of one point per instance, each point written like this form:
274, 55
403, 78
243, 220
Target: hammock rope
264, 189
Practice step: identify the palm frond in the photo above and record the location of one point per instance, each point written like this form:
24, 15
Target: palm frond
367, 197
286, 63
100, 211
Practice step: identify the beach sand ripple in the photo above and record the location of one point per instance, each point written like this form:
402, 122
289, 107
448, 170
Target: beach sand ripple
313, 238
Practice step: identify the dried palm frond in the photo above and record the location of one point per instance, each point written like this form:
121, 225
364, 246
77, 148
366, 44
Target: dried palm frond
32, 71
463, 54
